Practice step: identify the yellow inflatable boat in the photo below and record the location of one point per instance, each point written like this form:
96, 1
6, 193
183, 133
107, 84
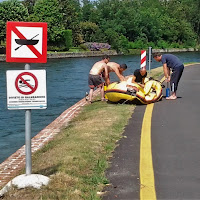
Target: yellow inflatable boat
126, 91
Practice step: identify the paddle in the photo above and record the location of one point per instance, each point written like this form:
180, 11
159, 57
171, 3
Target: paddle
22, 44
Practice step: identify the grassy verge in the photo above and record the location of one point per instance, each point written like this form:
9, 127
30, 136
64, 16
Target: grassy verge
157, 72
77, 158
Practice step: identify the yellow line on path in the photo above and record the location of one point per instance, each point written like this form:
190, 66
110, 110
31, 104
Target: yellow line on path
147, 183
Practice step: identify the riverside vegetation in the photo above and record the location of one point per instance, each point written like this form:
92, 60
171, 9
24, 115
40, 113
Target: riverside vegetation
125, 25
77, 158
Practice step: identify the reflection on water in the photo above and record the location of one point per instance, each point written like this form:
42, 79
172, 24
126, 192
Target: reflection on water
66, 84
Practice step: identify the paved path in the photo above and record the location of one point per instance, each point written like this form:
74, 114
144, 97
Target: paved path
175, 142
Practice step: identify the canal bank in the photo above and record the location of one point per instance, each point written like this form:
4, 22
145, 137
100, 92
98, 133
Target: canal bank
66, 85
74, 54
83, 150
76, 158
109, 52
16, 162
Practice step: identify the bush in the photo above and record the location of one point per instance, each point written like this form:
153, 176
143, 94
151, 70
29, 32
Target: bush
138, 44
67, 35
83, 47
94, 46
190, 43
175, 45
151, 44
123, 43
162, 44
52, 47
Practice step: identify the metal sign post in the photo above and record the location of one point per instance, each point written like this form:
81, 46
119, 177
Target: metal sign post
26, 42
150, 59
28, 136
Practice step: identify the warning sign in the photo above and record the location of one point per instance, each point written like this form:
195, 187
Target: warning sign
26, 83
26, 42
26, 89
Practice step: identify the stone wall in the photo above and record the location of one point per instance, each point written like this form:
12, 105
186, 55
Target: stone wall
81, 54
101, 53
74, 55
175, 50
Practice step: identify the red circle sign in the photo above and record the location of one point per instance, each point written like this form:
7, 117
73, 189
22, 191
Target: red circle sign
22, 84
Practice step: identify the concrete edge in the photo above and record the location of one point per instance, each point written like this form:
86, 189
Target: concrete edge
13, 164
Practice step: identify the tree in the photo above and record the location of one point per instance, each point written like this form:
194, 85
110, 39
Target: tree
89, 30
86, 9
71, 18
12, 10
49, 11
29, 4
191, 12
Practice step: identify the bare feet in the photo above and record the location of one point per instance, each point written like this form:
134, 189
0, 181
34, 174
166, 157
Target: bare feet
86, 96
104, 99
171, 97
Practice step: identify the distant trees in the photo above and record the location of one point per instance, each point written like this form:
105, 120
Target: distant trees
12, 10
49, 11
123, 24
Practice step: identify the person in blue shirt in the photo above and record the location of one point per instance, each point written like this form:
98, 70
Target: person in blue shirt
171, 62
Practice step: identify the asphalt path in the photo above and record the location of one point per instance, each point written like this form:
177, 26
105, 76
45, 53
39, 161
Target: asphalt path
175, 142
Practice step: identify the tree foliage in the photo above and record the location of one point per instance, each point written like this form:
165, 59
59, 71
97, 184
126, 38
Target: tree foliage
70, 10
49, 11
11, 10
123, 24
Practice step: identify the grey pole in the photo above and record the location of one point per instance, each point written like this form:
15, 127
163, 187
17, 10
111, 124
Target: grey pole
150, 54
28, 136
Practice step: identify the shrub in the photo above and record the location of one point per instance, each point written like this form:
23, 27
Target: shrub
162, 44
94, 46
138, 44
67, 35
83, 47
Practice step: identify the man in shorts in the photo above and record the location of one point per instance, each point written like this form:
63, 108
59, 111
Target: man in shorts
94, 79
172, 62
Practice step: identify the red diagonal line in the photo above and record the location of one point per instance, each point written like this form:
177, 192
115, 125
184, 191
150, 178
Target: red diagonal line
24, 81
143, 60
21, 36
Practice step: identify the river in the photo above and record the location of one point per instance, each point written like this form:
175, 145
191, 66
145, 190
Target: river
66, 85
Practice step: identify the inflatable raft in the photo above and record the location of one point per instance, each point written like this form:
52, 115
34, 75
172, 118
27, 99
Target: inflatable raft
126, 91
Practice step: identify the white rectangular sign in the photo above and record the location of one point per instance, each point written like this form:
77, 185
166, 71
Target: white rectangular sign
26, 89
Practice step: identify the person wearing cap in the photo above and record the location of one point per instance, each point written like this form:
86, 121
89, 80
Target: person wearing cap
139, 76
118, 69
171, 62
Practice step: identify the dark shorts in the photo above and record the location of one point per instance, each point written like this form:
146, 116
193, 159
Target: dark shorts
175, 77
95, 81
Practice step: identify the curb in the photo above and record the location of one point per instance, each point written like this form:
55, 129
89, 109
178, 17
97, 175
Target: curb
16, 162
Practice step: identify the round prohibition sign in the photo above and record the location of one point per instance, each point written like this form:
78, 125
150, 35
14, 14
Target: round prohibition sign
25, 83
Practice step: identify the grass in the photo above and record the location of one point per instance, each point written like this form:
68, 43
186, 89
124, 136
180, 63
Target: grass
157, 72
77, 158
